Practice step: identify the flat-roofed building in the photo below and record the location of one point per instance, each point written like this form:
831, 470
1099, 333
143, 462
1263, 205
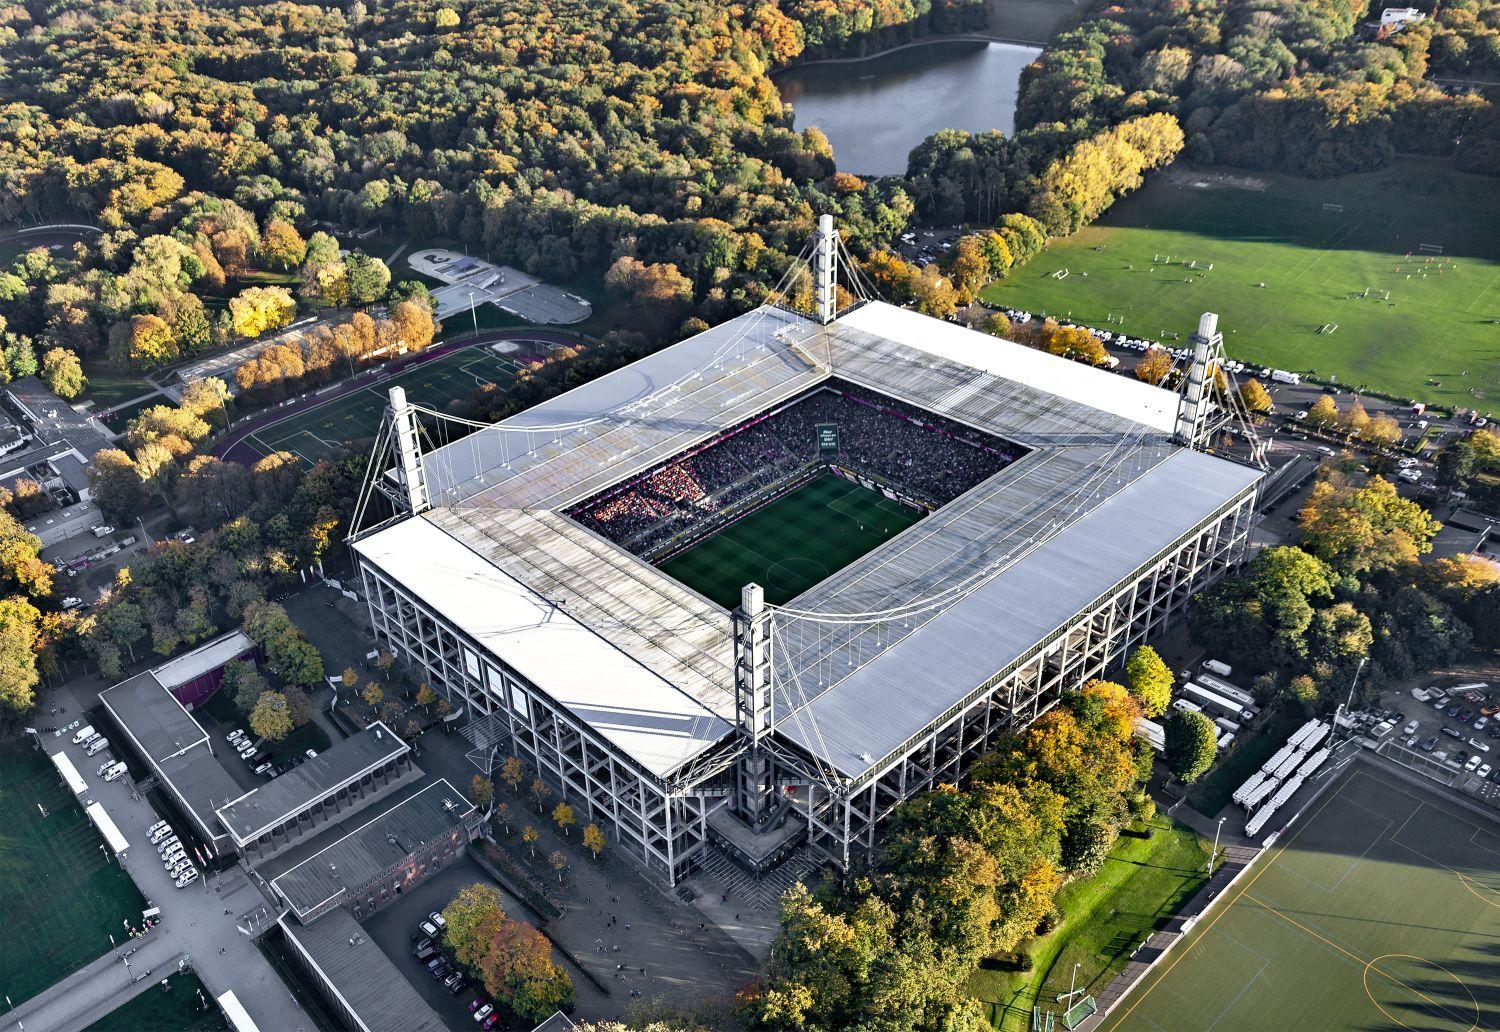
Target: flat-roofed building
366, 991
323, 789
382, 858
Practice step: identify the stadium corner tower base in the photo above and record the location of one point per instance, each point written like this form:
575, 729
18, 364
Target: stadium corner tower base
1057, 515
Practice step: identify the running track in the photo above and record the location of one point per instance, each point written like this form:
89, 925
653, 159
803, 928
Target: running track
236, 447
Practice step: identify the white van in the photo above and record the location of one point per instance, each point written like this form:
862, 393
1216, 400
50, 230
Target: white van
115, 773
1216, 667
98, 745
84, 734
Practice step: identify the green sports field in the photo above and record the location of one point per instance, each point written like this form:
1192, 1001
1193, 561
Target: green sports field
60, 897
320, 431
1439, 321
1380, 910
792, 543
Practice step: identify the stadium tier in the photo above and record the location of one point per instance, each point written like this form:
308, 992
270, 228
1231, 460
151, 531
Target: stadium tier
1052, 519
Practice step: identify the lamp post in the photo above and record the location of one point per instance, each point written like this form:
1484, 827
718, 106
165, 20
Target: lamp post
1215, 854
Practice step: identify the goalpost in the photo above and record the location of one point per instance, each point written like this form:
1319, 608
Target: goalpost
1430, 248
1339, 208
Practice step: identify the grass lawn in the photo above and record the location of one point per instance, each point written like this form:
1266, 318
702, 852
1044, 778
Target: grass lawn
184, 1004
59, 894
109, 387
1142, 884
1379, 910
1213, 793
1438, 323
792, 543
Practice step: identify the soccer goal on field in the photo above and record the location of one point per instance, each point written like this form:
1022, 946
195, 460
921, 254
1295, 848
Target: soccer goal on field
1430, 248
1339, 208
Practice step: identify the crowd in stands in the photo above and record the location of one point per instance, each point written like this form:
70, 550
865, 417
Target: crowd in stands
932, 458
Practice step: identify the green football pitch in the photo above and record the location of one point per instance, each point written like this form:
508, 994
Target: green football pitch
792, 543
1284, 266
182, 1004
1380, 910
321, 430
60, 896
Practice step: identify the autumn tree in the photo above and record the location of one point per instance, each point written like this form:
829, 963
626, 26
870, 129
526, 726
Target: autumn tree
1255, 398
593, 839
271, 719
1324, 413
21, 565
502, 816
559, 861
426, 697
482, 791
281, 246
1149, 679
373, 694
512, 772
539, 793
563, 816
1192, 741
529, 835
518, 969
1153, 366
1361, 528
20, 635
258, 309
63, 373
473, 918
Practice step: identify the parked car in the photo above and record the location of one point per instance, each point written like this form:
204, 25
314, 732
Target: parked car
1453, 710
1430, 744
489, 1022
437, 919
187, 879
477, 1002
1481, 722
1410, 729
455, 983
422, 943
1483, 771
1477, 744
1451, 733
429, 929
1473, 763
483, 1012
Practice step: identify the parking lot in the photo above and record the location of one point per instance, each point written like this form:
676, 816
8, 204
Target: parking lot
393, 927
1451, 733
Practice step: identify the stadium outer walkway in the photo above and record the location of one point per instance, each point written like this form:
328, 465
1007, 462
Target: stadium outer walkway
96, 989
235, 447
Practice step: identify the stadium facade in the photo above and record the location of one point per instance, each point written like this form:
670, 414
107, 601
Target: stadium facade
518, 570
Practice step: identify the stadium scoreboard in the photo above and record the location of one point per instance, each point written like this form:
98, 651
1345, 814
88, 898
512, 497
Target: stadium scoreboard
828, 437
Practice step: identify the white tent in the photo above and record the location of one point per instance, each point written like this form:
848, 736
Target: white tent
70, 773
107, 828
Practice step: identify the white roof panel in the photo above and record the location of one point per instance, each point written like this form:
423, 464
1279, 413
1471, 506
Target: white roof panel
650, 720
1097, 388
106, 827
70, 773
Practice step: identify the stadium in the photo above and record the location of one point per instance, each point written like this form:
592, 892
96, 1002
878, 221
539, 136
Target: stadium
749, 593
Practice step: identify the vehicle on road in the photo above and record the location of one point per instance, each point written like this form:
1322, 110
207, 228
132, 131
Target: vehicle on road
116, 772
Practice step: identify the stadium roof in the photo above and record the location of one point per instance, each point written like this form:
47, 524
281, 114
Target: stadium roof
359, 973
341, 764
375, 846
1101, 492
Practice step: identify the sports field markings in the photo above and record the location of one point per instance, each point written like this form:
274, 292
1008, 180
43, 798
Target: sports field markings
1371, 965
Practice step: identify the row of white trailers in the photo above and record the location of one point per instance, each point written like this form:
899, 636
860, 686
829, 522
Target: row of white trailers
1227, 706
1278, 779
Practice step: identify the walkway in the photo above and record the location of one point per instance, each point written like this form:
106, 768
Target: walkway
94, 990
202, 922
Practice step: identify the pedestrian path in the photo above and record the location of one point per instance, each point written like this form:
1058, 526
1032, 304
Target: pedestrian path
94, 990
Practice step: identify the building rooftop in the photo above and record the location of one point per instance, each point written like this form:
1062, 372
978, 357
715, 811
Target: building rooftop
255, 812
361, 975
1100, 492
206, 657
160, 724
375, 846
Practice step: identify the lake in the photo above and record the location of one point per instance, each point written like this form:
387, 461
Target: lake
876, 110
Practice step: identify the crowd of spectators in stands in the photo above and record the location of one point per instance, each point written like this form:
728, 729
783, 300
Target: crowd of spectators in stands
929, 457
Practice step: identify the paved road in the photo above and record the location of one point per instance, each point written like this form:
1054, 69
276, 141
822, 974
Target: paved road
96, 989
205, 921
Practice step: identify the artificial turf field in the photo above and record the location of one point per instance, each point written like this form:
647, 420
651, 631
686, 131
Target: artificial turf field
792, 543
1438, 323
1380, 910
320, 431
60, 898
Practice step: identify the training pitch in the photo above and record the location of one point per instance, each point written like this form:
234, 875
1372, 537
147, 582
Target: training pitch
1379, 910
792, 543
322, 430
60, 897
1133, 271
